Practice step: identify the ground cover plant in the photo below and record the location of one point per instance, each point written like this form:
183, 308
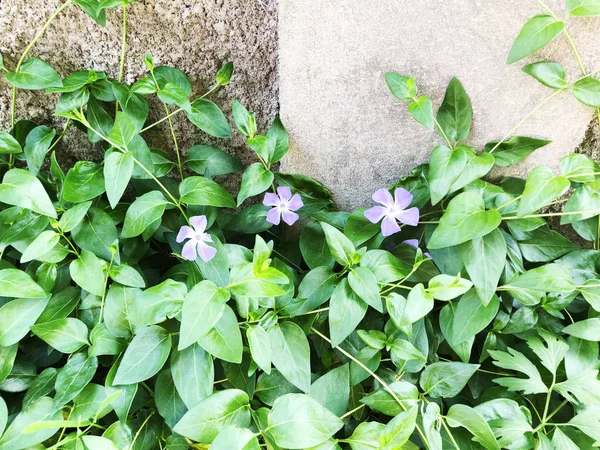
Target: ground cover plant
144, 307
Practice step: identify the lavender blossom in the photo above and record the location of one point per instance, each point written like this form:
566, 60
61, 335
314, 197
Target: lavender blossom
393, 210
198, 239
283, 206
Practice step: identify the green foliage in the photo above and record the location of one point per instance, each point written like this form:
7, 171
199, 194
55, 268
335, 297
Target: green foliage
115, 335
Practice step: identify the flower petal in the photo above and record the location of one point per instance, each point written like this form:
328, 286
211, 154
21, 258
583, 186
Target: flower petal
412, 242
384, 197
295, 203
285, 193
206, 238
409, 217
389, 226
185, 232
402, 198
375, 214
274, 216
206, 252
271, 199
189, 250
289, 217
199, 223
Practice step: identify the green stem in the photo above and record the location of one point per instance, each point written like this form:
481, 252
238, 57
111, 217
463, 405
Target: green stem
37, 37
62, 134
140, 430
524, 119
349, 413
123, 45
376, 377
175, 144
112, 259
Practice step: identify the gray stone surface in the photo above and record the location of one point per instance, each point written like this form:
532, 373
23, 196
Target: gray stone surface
349, 132
196, 36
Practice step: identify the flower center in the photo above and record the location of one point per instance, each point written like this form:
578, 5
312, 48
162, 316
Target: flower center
284, 205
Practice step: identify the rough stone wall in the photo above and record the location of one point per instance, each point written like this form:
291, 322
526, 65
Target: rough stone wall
197, 36
349, 132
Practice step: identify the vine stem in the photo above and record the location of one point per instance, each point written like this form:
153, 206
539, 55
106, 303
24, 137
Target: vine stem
62, 134
376, 377
524, 119
37, 37
123, 45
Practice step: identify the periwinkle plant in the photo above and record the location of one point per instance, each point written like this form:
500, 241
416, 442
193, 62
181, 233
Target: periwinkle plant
185, 319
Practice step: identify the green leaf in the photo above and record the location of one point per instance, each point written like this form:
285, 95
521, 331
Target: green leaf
332, 390
235, 438
484, 258
205, 192
465, 416
514, 150
41, 245
145, 355
201, 158
65, 335
171, 94
346, 310
398, 430
126, 394
583, 7
255, 180
88, 273
465, 219
578, 168
535, 34
364, 283
119, 301
542, 188
316, 287
224, 341
403, 351
381, 400
548, 73
17, 316
92, 8
386, 267
260, 347
118, 168
278, 141
142, 213
127, 276
84, 181
402, 87
406, 311
298, 421
472, 316
547, 278
167, 74
313, 246
340, 246
72, 217
35, 74
97, 233
422, 111
167, 400
16, 283
193, 373
588, 329
104, 343
475, 167
244, 121
445, 287
587, 91
291, 353
42, 410
446, 379
73, 378
455, 113
514, 360
208, 117
123, 131
543, 245
552, 353
22, 189
224, 74
203, 306
8, 144
36, 147
207, 419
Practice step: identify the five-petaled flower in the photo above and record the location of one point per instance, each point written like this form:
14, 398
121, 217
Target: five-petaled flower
198, 239
393, 210
283, 205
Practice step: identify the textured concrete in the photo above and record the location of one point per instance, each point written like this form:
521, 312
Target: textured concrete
349, 132
196, 36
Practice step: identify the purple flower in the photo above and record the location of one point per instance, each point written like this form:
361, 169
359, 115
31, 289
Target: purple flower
197, 240
415, 243
393, 210
283, 205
